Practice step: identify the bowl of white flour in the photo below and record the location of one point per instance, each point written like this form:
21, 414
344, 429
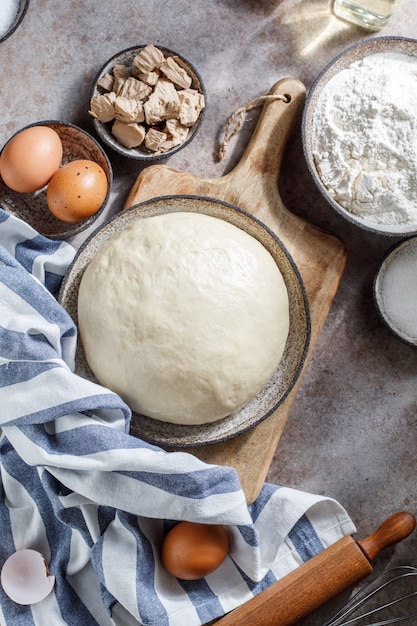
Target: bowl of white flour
360, 135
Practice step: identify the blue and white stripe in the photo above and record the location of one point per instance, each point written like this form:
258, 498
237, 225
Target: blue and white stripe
95, 500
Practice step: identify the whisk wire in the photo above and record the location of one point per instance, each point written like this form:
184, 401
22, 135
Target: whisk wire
344, 616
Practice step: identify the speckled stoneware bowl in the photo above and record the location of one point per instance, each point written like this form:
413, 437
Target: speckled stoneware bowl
284, 379
33, 208
342, 61
140, 153
21, 12
395, 292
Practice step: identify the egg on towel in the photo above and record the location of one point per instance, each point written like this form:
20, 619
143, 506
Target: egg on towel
191, 551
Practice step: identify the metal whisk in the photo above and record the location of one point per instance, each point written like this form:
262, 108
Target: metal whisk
363, 606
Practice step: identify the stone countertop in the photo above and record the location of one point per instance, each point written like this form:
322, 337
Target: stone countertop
351, 433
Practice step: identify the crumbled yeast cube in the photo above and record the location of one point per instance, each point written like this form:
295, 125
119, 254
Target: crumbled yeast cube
154, 139
175, 73
162, 104
149, 78
106, 82
102, 107
129, 135
191, 105
174, 134
134, 88
148, 59
120, 74
177, 132
128, 110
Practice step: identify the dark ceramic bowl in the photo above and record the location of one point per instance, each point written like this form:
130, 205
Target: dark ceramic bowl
103, 130
289, 369
310, 125
33, 208
21, 12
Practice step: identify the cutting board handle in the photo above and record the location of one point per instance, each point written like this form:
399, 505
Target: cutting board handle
265, 150
391, 531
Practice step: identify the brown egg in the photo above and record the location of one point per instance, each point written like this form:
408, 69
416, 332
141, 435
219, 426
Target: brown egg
191, 551
30, 157
77, 190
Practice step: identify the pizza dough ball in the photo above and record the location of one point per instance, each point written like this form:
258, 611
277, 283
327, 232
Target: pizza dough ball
184, 315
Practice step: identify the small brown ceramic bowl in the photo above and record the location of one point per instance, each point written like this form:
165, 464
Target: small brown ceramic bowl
104, 130
33, 208
312, 127
21, 12
293, 359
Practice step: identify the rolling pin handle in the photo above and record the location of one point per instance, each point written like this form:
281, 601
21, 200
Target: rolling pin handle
321, 578
394, 529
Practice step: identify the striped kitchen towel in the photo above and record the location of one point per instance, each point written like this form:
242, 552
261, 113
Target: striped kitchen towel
96, 501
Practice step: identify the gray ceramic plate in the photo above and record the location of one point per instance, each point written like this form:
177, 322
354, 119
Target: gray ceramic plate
33, 208
342, 61
274, 393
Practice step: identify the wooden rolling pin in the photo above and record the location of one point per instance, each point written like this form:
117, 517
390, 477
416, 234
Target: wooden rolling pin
320, 579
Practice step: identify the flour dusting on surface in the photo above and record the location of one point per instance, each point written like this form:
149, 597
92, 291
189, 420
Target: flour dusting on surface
364, 138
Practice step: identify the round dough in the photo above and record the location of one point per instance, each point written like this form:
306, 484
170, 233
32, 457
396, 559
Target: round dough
184, 315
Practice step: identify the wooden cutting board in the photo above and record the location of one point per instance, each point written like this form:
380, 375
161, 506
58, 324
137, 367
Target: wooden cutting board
252, 185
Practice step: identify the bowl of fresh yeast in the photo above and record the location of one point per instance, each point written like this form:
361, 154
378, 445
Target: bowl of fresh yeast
147, 102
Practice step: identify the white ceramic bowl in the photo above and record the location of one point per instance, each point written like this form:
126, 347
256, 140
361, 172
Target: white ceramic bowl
33, 207
103, 130
310, 125
21, 12
395, 290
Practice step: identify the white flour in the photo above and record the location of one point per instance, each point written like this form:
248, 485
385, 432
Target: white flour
365, 138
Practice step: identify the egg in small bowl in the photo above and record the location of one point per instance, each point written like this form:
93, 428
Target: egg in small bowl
32, 158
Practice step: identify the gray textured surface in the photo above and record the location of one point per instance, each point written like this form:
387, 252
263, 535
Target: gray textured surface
352, 431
